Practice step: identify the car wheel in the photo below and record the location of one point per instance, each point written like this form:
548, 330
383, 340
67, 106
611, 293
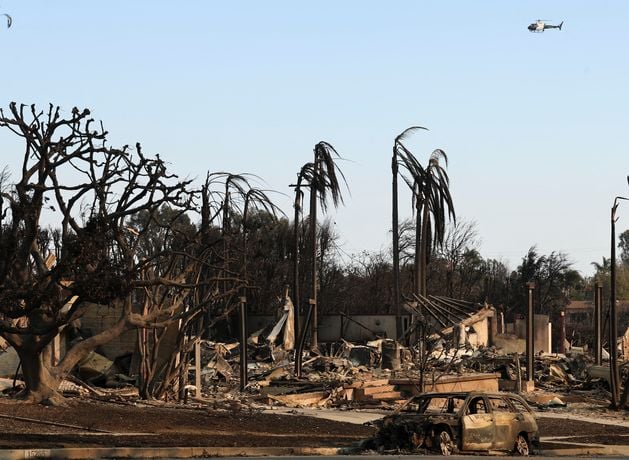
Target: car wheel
521, 446
445, 443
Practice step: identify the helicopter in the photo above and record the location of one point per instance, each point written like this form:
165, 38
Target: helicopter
540, 26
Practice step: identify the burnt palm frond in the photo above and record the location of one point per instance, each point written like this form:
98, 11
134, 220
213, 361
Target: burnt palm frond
404, 157
431, 199
402, 136
259, 200
327, 177
304, 178
211, 202
431, 187
232, 197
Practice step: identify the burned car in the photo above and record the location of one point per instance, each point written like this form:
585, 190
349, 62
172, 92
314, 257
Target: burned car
460, 422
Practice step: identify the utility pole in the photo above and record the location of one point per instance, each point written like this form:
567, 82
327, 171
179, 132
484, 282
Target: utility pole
614, 376
530, 334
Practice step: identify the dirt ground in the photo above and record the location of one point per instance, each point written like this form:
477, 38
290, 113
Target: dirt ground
133, 426
580, 432
125, 424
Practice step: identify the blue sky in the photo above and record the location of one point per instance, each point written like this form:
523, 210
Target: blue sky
535, 125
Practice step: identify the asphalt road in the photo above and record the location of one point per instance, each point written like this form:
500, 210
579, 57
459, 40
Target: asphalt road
386, 457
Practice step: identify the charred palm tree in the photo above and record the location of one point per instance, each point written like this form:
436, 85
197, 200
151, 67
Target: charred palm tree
433, 204
237, 194
259, 200
304, 177
400, 155
324, 179
238, 198
325, 183
236, 184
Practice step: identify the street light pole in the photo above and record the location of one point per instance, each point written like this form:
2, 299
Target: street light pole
614, 376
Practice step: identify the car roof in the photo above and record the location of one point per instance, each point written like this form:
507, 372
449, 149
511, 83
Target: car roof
460, 394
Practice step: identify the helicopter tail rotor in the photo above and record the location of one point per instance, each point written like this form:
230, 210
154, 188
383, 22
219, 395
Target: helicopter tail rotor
560, 24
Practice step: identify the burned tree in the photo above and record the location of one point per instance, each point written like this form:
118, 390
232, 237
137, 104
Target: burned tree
212, 261
325, 182
400, 155
71, 179
304, 175
432, 202
431, 193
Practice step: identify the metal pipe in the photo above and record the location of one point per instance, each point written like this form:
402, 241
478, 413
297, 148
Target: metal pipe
562, 332
469, 306
425, 306
530, 334
243, 343
447, 311
453, 307
345, 315
447, 314
302, 341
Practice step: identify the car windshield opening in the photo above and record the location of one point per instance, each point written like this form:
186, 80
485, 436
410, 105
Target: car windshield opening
435, 405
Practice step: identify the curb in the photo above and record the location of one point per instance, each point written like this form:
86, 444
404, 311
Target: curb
616, 451
192, 452
165, 452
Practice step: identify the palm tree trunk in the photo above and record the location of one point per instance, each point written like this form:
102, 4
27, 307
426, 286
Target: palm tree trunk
423, 254
296, 293
243, 301
313, 241
395, 232
418, 331
418, 236
421, 284
226, 249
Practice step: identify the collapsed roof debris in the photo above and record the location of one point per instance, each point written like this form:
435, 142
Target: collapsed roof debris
463, 352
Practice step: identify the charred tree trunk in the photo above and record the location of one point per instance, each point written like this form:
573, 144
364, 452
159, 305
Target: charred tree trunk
418, 271
296, 293
423, 253
42, 382
395, 232
314, 339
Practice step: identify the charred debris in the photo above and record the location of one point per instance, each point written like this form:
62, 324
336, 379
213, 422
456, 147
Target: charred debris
448, 345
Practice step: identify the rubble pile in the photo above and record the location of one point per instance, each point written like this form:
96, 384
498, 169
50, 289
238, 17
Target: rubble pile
342, 374
377, 373
380, 373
